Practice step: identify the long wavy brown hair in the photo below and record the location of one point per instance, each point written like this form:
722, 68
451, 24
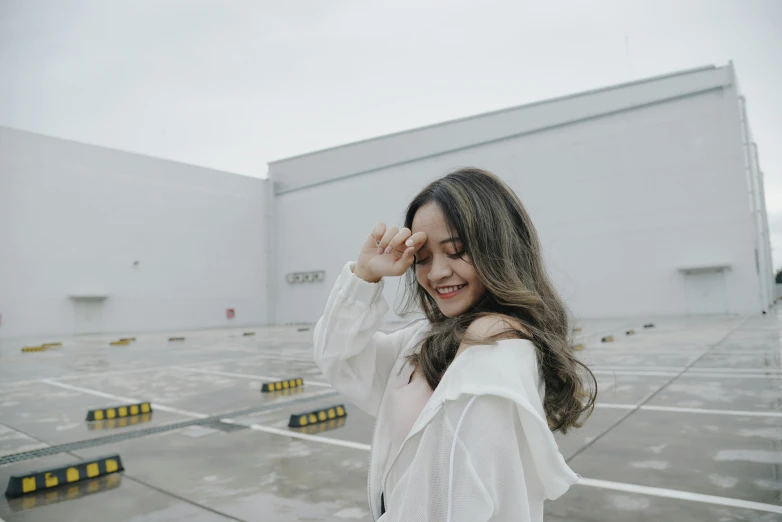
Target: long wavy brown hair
501, 243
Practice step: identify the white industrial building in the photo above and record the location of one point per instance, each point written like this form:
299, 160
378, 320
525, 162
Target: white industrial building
647, 196
98, 240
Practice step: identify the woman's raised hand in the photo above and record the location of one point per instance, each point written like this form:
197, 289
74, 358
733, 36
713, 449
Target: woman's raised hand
388, 251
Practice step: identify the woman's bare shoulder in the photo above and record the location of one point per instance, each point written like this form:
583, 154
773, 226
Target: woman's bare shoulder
493, 326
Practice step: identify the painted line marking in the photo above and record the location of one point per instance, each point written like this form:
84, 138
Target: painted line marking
303, 436
681, 495
636, 373
247, 376
686, 374
601, 350
677, 369
155, 406
674, 409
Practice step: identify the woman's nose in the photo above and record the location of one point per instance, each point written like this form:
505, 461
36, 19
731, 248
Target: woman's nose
440, 269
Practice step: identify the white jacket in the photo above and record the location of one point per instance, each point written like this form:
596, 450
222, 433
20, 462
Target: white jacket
481, 450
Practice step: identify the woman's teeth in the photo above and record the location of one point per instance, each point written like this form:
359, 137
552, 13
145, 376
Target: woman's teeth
449, 289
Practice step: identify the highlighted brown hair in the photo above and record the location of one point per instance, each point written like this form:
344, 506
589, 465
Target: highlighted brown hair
500, 241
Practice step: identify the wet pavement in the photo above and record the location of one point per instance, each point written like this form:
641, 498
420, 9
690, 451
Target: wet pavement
688, 427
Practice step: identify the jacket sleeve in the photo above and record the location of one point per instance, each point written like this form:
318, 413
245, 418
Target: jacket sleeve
354, 356
473, 464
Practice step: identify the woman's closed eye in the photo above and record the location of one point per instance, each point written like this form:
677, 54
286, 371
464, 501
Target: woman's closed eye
457, 255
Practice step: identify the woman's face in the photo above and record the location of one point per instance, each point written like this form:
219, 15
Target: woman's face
449, 279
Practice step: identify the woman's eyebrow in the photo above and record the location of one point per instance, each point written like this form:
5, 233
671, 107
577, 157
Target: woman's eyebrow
444, 241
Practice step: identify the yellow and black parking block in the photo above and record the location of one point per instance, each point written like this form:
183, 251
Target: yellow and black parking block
649, 325
631, 332
282, 385
320, 427
34, 349
578, 347
608, 339
314, 417
128, 339
577, 330
120, 422
65, 493
49, 345
119, 343
19, 485
176, 338
118, 412
248, 334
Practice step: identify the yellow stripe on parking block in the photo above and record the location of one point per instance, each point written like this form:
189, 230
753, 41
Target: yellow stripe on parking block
119, 343
608, 339
321, 427
282, 385
314, 417
30, 482
34, 348
65, 492
119, 411
110, 424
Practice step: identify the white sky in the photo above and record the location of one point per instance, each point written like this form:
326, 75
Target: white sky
234, 84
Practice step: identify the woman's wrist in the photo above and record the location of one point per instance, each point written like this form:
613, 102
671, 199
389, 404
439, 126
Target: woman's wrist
361, 273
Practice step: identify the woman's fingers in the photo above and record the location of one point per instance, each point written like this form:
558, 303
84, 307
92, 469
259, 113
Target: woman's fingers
416, 240
378, 232
386, 239
397, 243
408, 257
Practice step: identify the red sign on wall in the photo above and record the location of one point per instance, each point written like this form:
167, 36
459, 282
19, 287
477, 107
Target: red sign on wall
230, 313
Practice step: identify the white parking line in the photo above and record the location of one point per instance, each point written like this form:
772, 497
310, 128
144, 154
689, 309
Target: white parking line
674, 409
714, 412
247, 376
682, 495
720, 369
708, 375
303, 436
129, 400
636, 373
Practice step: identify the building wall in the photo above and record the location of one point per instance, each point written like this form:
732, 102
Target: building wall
621, 203
75, 218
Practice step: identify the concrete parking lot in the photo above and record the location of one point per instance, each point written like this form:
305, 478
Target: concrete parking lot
688, 427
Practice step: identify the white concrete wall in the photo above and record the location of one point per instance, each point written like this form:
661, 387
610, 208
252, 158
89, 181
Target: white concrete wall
620, 201
74, 218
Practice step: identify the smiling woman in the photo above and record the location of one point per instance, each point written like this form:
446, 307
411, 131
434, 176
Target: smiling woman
466, 400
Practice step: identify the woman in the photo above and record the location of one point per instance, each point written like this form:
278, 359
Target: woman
466, 399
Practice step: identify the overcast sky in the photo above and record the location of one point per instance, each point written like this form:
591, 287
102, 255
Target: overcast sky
234, 84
